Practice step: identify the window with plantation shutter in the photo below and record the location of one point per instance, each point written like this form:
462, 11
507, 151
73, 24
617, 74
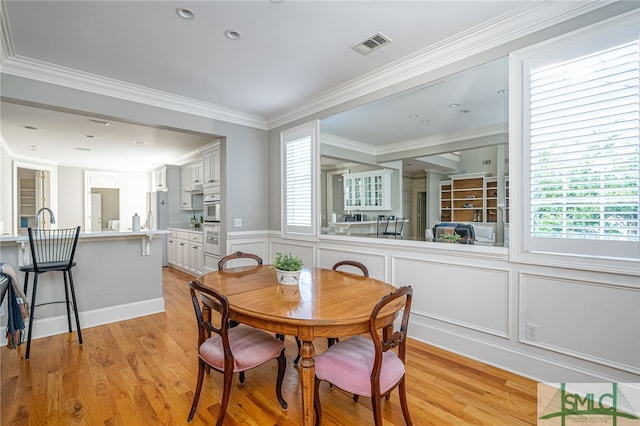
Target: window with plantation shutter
581, 152
299, 152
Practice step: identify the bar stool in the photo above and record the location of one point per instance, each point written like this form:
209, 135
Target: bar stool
52, 250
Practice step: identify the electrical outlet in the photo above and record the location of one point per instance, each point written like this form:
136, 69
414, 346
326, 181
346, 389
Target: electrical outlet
237, 222
532, 332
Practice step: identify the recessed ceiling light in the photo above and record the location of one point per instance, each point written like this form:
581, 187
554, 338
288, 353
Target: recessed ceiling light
426, 121
454, 105
139, 142
232, 35
89, 136
185, 13
464, 111
30, 127
413, 116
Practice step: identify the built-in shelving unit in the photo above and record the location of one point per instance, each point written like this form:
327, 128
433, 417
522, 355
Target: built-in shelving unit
27, 202
472, 197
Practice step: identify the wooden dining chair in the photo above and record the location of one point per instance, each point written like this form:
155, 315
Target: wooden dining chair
336, 266
238, 255
230, 258
340, 265
355, 364
355, 264
230, 350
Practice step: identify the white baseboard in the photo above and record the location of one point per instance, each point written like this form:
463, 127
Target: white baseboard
542, 368
58, 325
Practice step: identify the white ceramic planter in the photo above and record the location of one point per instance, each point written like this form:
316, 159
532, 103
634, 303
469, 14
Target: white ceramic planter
288, 277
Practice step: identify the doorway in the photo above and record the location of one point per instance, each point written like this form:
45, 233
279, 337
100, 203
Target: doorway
33, 190
105, 208
102, 202
422, 216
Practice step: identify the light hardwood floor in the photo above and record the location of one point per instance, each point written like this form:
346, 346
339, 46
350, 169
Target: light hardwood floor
143, 372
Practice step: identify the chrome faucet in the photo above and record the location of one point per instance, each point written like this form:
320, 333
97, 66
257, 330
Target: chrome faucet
52, 217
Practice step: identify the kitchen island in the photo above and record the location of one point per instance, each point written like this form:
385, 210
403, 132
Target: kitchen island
118, 276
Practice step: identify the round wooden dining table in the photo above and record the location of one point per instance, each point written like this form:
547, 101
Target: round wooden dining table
325, 303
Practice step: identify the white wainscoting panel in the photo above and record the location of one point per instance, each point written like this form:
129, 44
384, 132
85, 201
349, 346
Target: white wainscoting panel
302, 249
249, 246
468, 296
585, 319
375, 262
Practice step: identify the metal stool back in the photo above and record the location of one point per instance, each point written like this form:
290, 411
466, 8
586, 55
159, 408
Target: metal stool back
52, 250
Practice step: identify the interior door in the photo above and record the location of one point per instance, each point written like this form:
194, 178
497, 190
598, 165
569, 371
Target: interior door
96, 212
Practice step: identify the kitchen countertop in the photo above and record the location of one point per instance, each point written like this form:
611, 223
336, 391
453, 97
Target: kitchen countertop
186, 228
87, 235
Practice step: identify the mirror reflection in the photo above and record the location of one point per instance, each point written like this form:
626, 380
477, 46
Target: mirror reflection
427, 164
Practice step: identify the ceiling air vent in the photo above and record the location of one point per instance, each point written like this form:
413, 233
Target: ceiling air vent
371, 43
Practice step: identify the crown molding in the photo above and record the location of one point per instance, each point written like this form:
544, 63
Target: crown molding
442, 139
508, 27
74, 79
346, 143
413, 144
503, 29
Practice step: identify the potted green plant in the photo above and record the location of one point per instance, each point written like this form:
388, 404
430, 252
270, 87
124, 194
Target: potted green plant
450, 238
287, 268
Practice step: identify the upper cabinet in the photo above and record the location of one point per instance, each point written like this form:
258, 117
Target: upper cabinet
211, 167
367, 190
191, 178
192, 175
160, 179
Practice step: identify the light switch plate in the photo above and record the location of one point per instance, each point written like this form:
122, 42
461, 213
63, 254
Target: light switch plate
237, 222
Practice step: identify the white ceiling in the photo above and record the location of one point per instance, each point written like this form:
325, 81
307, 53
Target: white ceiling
289, 52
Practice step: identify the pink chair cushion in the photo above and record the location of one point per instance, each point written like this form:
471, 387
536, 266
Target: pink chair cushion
348, 365
250, 347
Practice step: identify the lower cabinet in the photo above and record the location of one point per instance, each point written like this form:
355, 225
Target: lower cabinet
185, 251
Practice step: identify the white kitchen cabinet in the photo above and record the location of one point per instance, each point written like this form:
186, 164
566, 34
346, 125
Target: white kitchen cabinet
185, 196
172, 248
368, 190
192, 174
196, 258
160, 179
185, 250
197, 173
191, 177
211, 167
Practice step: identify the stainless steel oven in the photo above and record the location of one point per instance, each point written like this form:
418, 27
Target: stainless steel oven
211, 205
212, 239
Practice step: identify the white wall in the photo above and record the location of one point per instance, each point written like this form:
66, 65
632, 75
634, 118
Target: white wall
6, 187
471, 300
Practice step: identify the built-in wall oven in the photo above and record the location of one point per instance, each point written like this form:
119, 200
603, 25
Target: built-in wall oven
212, 239
211, 246
211, 204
